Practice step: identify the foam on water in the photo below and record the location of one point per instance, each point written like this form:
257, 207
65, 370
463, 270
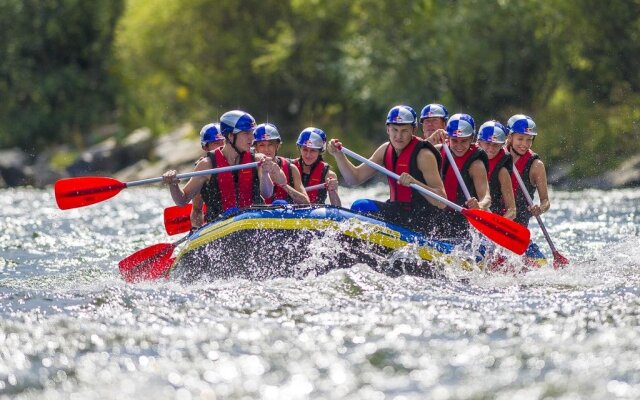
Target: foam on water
71, 328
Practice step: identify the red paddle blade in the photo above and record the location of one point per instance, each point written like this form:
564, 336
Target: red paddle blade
503, 231
147, 264
559, 261
84, 191
159, 269
177, 219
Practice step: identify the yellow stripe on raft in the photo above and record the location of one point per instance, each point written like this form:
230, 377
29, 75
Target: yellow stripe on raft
371, 233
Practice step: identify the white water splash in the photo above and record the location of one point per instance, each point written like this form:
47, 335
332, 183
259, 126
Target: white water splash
71, 328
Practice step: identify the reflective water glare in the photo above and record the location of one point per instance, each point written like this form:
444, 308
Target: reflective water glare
71, 328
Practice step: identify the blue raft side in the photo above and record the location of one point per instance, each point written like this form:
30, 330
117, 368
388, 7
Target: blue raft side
338, 214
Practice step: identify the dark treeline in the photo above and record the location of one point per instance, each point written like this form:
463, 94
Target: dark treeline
69, 66
56, 77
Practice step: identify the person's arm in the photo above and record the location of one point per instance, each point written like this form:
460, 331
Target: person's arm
538, 178
182, 196
506, 188
332, 189
197, 218
353, 175
296, 192
478, 174
264, 176
439, 136
428, 165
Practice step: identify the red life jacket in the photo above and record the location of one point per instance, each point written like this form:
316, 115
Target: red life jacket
400, 193
524, 168
278, 192
494, 161
317, 175
451, 185
501, 160
520, 165
232, 195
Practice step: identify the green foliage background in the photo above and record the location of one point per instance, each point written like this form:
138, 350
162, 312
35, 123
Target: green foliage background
67, 66
56, 81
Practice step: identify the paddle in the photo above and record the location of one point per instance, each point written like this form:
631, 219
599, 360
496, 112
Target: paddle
503, 231
559, 260
456, 171
150, 263
315, 187
87, 190
177, 219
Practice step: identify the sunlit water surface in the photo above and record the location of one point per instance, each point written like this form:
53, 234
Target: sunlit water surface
71, 328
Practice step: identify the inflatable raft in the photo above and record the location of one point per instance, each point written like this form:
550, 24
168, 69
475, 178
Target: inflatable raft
265, 242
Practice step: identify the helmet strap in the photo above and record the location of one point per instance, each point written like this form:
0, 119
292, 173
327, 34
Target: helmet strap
510, 147
233, 144
312, 165
277, 148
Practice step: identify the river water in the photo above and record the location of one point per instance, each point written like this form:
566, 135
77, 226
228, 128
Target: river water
70, 327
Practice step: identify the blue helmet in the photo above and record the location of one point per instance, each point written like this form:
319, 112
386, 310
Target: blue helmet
312, 138
461, 125
210, 133
236, 121
265, 132
434, 110
322, 134
402, 115
492, 132
523, 124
